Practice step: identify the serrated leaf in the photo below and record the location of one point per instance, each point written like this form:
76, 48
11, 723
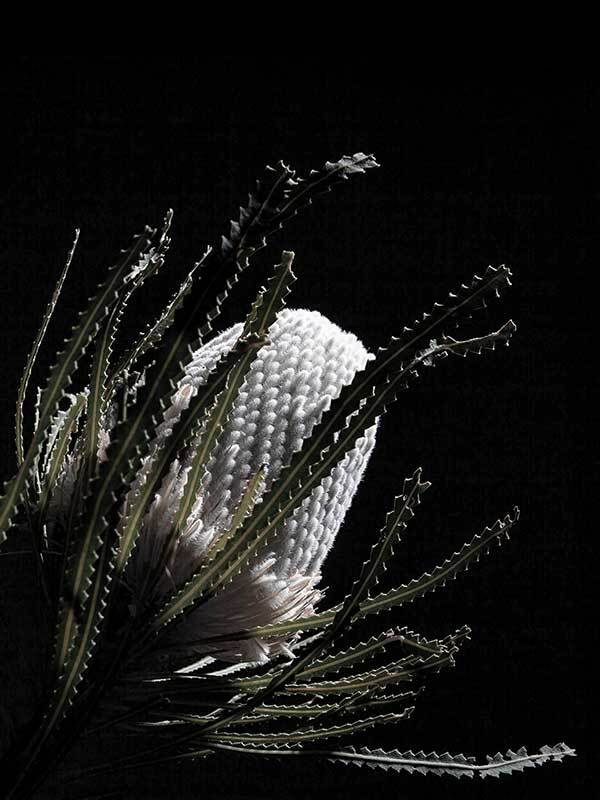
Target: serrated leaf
273, 203
309, 734
423, 763
82, 552
457, 562
352, 656
83, 333
94, 523
271, 299
58, 447
396, 521
452, 765
153, 335
35, 350
401, 671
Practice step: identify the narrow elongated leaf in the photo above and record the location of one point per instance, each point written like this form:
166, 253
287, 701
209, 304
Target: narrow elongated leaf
271, 299
75, 661
89, 322
243, 509
268, 208
275, 201
82, 552
260, 218
402, 670
31, 359
101, 394
463, 302
423, 763
469, 553
152, 337
352, 656
58, 449
309, 734
311, 709
78, 640
396, 521
423, 649
263, 314
297, 480
339, 660
83, 333
447, 764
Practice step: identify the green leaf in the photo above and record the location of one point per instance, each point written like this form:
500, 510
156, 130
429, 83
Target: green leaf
94, 523
447, 764
152, 337
353, 655
81, 552
76, 639
395, 523
243, 509
420, 762
311, 710
308, 734
58, 449
74, 663
275, 201
83, 333
309, 465
262, 216
101, 389
402, 670
469, 553
88, 326
271, 299
35, 350
350, 657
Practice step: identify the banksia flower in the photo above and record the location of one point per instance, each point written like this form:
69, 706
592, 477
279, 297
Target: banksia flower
180, 505
289, 385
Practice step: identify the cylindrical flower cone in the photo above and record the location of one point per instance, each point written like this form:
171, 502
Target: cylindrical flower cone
289, 386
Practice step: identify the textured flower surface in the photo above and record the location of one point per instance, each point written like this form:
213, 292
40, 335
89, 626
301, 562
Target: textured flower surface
290, 385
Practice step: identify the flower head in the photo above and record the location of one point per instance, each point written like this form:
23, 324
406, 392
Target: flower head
290, 384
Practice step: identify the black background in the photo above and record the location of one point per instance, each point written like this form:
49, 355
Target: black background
470, 176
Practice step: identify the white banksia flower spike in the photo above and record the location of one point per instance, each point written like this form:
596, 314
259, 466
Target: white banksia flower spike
290, 384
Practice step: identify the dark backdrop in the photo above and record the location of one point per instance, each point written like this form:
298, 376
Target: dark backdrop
470, 176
